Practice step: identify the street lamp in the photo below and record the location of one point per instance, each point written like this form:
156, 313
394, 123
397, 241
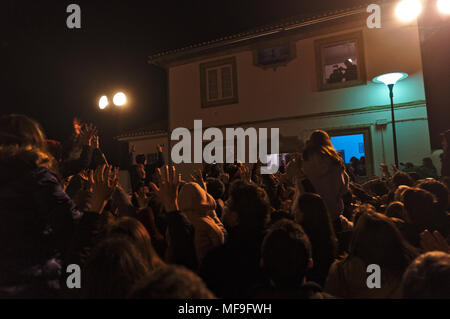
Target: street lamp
119, 99
444, 6
390, 79
408, 10
103, 102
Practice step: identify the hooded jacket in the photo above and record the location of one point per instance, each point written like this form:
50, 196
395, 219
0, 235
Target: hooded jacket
329, 180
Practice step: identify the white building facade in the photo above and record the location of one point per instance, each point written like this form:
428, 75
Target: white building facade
282, 77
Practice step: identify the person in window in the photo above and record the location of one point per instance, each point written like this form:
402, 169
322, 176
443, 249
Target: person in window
351, 71
337, 75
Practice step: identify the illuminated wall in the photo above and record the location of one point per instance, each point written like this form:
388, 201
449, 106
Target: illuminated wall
288, 97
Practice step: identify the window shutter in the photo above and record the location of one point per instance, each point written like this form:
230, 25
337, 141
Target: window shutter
227, 89
213, 90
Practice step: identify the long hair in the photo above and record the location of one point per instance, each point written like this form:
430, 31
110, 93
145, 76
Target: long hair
16, 129
376, 240
133, 229
320, 142
113, 268
22, 138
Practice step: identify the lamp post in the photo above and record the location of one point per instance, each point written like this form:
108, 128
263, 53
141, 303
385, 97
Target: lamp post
119, 100
389, 79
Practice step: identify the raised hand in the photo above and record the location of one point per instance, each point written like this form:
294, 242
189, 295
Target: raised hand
103, 182
245, 174
77, 126
95, 141
167, 189
197, 176
142, 198
159, 148
87, 133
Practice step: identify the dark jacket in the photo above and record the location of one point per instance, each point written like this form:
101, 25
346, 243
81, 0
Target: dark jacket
39, 224
180, 238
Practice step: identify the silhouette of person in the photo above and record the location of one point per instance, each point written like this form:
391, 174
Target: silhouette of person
337, 75
351, 73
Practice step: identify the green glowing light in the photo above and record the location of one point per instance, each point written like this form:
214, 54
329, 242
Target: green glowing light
390, 78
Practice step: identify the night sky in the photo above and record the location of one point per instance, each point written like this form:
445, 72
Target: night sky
53, 73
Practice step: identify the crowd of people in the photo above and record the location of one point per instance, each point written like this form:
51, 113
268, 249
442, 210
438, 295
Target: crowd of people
309, 231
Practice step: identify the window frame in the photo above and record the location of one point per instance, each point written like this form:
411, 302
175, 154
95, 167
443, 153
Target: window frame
368, 147
320, 44
204, 78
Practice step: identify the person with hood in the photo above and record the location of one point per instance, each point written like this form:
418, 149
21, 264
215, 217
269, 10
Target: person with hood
324, 168
199, 207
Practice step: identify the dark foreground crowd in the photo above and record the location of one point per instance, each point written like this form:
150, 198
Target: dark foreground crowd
308, 232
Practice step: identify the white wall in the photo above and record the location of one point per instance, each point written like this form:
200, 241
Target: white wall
291, 91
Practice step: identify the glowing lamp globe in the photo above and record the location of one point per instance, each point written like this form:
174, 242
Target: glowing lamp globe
390, 78
119, 99
444, 6
103, 102
408, 10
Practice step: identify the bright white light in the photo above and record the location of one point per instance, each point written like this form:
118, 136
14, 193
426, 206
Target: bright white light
444, 6
408, 10
390, 78
119, 99
103, 102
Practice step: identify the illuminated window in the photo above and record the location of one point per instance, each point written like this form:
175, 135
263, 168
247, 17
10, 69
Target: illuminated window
340, 61
355, 147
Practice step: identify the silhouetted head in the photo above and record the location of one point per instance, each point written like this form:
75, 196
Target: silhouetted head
215, 187
396, 210
419, 206
251, 205
376, 240
319, 138
171, 282
286, 254
21, 130
438, 189
134, 231
428, 277
113, 268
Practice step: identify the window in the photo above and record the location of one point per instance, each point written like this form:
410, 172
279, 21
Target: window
355, 147
218, 81
340, 61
